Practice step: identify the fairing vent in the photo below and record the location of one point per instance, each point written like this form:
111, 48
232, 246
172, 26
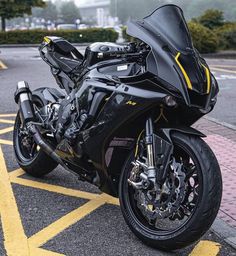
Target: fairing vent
197, 100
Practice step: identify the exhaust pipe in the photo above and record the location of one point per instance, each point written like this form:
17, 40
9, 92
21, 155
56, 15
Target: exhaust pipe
23, 97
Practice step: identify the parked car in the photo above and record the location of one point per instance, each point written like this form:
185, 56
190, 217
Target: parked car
66, 27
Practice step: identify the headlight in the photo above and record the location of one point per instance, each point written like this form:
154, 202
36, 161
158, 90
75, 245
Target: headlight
170, 101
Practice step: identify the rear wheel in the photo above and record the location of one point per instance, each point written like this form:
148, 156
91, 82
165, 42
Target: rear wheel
187, 204
29, 156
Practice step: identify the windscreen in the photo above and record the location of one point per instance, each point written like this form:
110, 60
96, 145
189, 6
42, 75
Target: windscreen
169, 23
172, 57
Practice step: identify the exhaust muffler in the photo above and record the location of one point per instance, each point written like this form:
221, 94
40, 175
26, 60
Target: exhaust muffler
23, 97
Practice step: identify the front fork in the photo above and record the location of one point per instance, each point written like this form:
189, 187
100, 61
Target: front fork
149, 141
149, 172
159, 149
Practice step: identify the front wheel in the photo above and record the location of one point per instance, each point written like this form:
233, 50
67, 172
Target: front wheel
186, 205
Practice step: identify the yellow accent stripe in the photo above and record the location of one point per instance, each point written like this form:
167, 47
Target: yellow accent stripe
189, 84
15, 240
136, 148
206, 248
47, 40
208, 78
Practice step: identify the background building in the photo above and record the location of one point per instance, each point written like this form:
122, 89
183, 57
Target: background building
96, 11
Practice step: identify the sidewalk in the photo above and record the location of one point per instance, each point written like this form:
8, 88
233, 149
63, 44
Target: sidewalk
222, 141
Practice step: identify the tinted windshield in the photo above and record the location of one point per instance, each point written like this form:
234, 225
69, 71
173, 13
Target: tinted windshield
172, 57
169, 23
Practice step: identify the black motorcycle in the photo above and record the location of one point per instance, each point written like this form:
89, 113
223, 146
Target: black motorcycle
123, 123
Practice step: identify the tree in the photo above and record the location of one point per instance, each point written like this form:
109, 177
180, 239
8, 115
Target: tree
50, 12
212, 19
16, 8
127, 9
69, 12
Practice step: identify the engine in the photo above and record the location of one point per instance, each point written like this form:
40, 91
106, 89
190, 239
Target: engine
63, 119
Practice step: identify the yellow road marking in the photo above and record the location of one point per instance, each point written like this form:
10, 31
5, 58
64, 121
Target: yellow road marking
223, 66
110, 199
223, 70
43, 252
7, 115
4, 121
2, 65
14, 177
52, 188
6, 142
15, 240
69, 219
16, 173
6, 130
206, 248
12, 226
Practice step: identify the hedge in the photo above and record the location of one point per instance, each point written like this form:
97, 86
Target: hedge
227, 36
203, 38
74, 36
125, 35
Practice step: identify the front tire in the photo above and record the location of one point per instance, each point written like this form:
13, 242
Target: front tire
204, 212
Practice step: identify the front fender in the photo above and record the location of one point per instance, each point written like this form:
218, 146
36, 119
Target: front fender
165, 133
163, 146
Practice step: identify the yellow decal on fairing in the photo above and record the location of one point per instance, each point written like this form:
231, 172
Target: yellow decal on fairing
189, 84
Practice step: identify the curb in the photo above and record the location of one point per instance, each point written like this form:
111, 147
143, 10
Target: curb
230, 126
224, 231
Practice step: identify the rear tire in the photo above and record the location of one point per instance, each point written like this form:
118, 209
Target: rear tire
37, 165
204, 212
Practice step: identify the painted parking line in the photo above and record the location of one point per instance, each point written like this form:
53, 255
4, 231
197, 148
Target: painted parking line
6, 142
15, 240
6, 130
5, 121
223, 66
206, 248
64, 222
17, 244
223, 70
2, 65
7, 115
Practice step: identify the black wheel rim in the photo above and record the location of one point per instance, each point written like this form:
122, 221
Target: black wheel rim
194, 177
27, 150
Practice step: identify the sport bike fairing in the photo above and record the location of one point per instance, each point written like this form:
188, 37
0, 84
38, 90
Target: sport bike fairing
173, 57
